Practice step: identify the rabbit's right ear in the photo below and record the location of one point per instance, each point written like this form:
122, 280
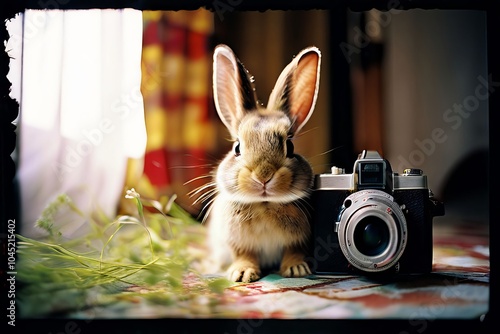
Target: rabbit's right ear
296, 90
233, 91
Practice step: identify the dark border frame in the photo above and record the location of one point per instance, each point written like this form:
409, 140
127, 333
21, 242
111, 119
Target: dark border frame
9, 110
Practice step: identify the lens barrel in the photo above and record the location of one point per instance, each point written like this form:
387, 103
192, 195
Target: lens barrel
372, 230
371, 236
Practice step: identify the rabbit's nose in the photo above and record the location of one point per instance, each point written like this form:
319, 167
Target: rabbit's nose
263, 174
262, 181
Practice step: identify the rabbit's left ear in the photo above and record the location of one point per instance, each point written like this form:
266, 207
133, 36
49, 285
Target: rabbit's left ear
234, 95
296, 89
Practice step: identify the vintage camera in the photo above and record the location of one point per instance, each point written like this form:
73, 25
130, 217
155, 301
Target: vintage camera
373, 221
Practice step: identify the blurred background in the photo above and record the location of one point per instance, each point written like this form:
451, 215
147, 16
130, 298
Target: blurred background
412, 84
409, 84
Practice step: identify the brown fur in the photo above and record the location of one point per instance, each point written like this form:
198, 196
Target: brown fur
258, 217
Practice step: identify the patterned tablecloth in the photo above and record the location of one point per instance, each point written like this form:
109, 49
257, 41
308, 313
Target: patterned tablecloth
457, 289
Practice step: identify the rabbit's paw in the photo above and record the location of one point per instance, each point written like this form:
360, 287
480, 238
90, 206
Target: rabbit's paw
242, 271
299, 269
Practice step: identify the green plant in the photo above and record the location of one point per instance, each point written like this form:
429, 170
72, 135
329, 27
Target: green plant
152, 252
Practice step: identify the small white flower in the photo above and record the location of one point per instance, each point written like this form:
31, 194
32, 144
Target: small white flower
131, 193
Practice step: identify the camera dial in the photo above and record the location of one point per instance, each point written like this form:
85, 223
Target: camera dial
372, 230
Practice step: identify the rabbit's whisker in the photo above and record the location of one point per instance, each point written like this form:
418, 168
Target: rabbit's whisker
207, 208
201, 189
198, 178
206, 195
192, 166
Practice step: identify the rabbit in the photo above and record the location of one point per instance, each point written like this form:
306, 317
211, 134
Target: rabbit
259, 216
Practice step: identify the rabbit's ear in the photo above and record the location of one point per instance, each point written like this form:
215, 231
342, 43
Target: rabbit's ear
297, 88
233, 91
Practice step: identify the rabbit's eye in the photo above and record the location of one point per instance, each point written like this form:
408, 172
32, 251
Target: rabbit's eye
236, 149
289, 149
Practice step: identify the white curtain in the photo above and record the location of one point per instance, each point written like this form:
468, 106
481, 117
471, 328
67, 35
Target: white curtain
77, 77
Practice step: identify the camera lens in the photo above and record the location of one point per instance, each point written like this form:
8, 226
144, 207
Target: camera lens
371, 236
372, 230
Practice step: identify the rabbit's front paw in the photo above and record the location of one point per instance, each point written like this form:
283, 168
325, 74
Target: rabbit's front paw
242, 271
299, 269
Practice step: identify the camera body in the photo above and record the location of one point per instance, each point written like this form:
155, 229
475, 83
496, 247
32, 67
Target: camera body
373, 221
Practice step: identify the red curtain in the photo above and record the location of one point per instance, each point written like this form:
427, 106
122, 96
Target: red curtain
177, 90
